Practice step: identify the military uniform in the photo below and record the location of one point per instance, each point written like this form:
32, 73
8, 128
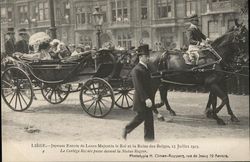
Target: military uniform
141, 80
194, 37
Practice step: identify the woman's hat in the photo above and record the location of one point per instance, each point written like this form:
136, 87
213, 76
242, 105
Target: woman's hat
143, 50
10, 31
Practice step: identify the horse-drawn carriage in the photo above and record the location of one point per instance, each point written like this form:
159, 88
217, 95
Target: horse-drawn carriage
91, 74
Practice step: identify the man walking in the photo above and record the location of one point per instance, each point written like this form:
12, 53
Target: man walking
22, 45
142, 101
10, 43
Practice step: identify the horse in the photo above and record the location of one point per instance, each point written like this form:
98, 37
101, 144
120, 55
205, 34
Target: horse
172, 62
243, 57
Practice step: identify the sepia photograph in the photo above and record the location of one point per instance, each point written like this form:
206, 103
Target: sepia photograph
124, 80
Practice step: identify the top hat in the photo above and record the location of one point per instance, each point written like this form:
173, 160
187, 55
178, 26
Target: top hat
193, 17
10, 31
143, 50
22, 31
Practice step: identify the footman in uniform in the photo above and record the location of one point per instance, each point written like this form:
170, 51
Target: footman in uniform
142, 100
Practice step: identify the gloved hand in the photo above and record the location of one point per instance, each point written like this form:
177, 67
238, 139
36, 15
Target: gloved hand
149, 103
207, 40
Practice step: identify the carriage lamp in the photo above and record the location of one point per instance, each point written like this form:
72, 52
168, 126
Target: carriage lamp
98, 21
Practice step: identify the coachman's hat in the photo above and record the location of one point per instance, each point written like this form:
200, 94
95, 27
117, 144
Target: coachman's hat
193, 17
22, 31
143, 50
10, 31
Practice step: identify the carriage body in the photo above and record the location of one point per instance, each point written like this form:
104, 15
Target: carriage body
55, 79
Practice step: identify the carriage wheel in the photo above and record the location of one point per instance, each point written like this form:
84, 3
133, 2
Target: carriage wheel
97, 97
124, 98
17, 91
55, 94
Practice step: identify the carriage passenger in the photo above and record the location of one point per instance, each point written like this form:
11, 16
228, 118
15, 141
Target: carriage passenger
22, 45
10, 42
78, 50
40, 43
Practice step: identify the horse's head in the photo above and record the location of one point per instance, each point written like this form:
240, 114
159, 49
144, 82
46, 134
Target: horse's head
233, 46
241, 40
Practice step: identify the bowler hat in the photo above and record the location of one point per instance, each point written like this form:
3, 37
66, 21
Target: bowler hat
10, 31
143, 50
193, 17
22, 31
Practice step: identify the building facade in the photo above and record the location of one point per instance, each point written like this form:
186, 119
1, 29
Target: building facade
126, 23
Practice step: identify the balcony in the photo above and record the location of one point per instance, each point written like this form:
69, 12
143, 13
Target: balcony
220, 6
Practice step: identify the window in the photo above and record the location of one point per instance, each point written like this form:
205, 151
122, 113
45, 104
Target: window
144, 9
67, 12
124, 40
164, 8
119, 11
23, 14
43, 11
213, 30
6, 14
80, 16
190, 7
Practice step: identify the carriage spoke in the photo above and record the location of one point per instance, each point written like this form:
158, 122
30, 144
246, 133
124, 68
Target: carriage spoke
100, 108
103, 104
130, 98
87, 100
48, 91
59, 95
118, 98
95, 107
89, 89
93, 84
105, 100
23, 98
122, 99
7, 83
20, 101
7, 95
90, 105
12, 98
16, 102
127, 100
55, 95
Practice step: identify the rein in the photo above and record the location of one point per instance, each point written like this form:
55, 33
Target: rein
234, 73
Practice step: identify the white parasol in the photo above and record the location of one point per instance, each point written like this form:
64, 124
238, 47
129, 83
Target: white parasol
39, 38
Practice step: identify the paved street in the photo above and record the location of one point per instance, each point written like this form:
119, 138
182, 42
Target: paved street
67, 121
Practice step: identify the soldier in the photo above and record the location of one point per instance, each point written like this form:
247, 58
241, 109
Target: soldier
22, 45
195, 37
10, 43
142, 102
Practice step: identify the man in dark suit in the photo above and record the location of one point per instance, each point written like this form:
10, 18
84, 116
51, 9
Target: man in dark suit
142, 101
10, 43
195, 37
22, 45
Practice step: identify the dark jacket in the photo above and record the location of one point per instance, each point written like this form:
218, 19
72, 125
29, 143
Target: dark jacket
9, 47
194, 35
142, 83
22, 46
